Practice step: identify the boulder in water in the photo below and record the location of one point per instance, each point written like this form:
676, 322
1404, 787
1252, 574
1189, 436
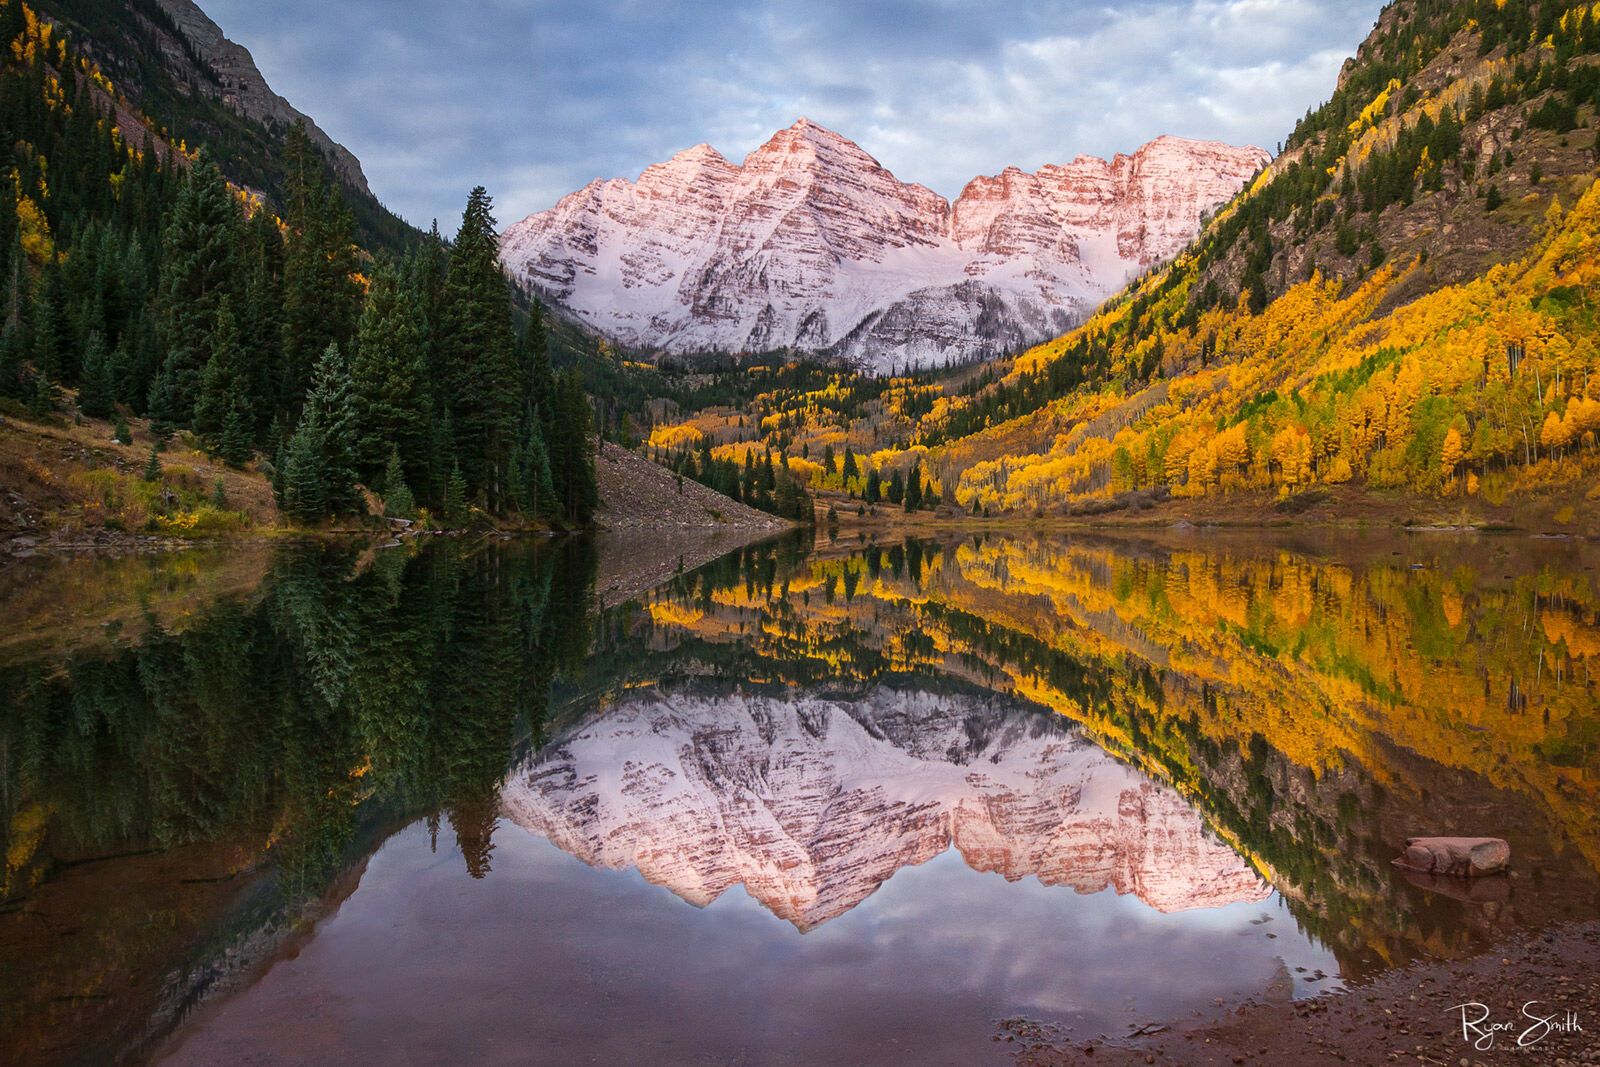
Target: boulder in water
1460, 857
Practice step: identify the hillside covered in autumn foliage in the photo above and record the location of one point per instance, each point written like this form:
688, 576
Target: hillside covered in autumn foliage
1401, 305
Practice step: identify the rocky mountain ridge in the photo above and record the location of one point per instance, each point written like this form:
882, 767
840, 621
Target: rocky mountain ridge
812, 244
811, 803
242, 86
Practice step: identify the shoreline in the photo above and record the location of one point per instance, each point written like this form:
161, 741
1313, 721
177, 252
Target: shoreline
1413, 1014
104, 542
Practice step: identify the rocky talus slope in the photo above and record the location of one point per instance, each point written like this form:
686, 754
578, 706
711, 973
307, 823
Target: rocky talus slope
638, 494
812, 244
812, 803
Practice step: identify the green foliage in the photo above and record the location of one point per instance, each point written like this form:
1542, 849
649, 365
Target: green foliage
455, 499
152, 467
476, 345
95, 397
197, 275
387, 377
305, 492
397, 498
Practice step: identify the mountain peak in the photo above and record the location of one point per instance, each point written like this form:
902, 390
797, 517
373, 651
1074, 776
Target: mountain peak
809, 146
813, 244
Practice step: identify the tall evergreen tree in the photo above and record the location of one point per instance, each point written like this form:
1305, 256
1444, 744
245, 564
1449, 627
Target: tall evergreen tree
321, 295
913, 499
95, 397
319, 468
197, 271
224, 384
475, 340
572, 450
386, 373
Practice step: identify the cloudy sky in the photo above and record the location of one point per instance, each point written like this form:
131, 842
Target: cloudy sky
535, 98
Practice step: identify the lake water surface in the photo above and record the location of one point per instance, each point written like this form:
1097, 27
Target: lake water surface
814, 802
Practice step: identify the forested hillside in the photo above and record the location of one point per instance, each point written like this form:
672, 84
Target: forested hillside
138, 282
1402, 302
172, 80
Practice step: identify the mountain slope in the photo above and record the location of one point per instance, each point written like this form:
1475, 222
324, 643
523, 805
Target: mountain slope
1400, 306
811, 244
1400, 301
177, 66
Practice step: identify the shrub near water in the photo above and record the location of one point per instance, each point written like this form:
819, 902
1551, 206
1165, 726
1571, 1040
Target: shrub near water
175, 502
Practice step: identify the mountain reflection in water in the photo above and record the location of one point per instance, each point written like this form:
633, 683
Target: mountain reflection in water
811, 804
196, 761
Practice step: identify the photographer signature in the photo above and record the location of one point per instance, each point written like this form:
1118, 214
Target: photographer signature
1481, 1031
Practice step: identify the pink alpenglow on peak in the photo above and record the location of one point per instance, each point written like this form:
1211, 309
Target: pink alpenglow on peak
811, 244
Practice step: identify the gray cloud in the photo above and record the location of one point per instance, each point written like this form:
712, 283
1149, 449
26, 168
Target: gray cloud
535, 98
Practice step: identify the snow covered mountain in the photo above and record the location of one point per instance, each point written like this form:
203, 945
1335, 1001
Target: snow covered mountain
812, 244
812, 803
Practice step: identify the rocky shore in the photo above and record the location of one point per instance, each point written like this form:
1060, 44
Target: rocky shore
1533, 1000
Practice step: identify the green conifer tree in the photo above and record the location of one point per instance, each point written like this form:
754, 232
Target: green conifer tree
197, 271
94, 390
331, 406
224, 383
913, 500
386, 375
397, 498
476, 345
305, 493
234, 447
455, 499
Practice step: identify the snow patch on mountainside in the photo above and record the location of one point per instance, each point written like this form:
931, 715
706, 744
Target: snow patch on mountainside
812, 244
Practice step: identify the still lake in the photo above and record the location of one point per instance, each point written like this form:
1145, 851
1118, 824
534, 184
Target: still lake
817, 801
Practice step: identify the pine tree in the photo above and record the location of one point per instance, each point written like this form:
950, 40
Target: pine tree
897, 488
152, 467
234, 447
330, 406
52, 337
475, 340
455, 499
537, 494
321, 294
386, 375
224, 383
43, 395
305, 493
120, 433
397, 498
572, 451
874, 490
94, 389
197, 271
913, 500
